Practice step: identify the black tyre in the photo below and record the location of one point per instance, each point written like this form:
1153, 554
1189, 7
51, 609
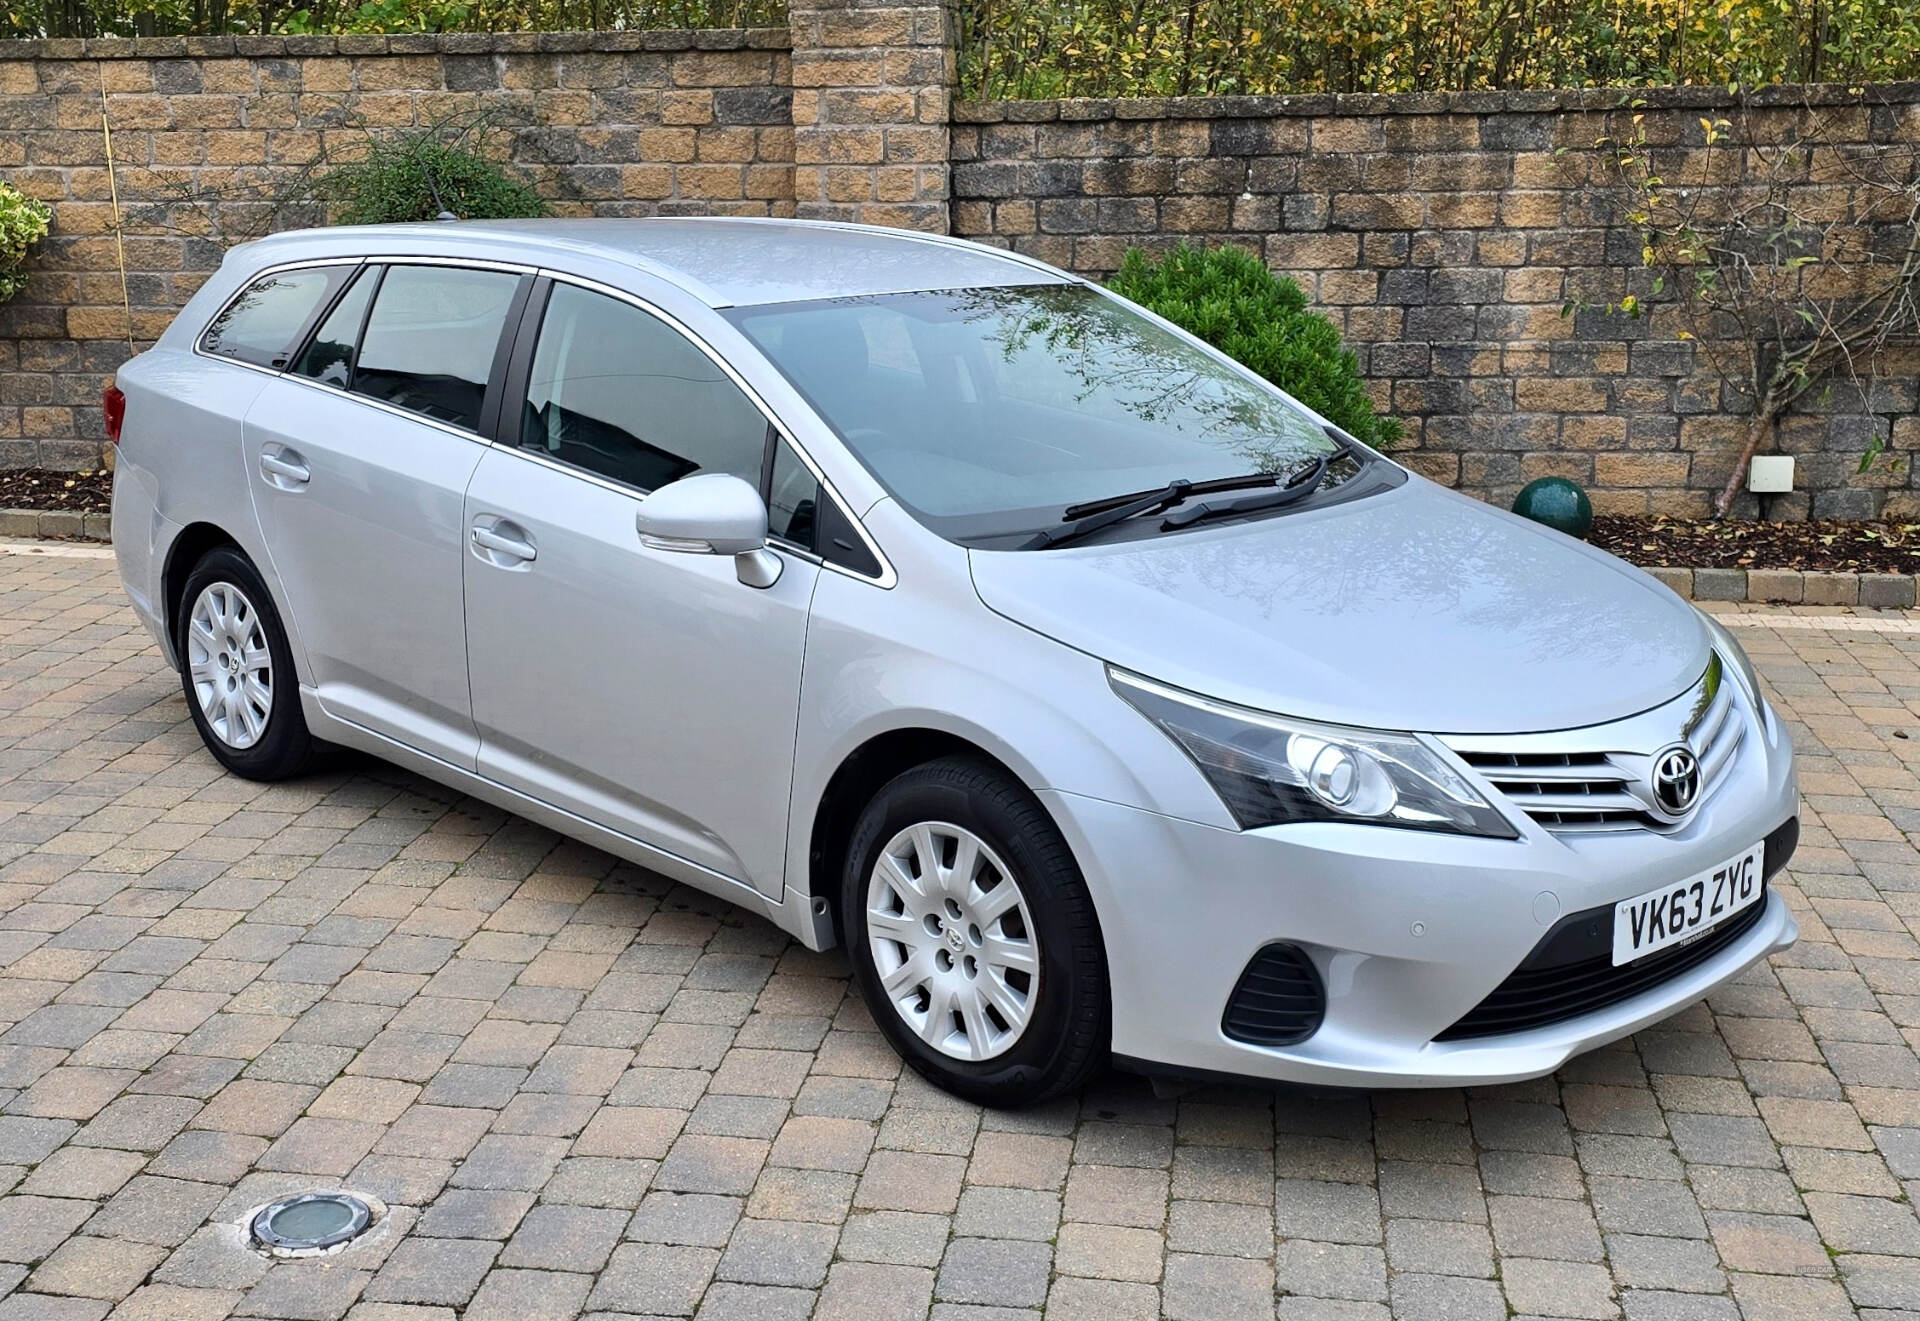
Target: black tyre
237, 670
973, 937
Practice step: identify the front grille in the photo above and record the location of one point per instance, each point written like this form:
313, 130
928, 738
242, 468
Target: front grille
1542, 996
1570, 972
1570, 788
1278, 1001
1563, 790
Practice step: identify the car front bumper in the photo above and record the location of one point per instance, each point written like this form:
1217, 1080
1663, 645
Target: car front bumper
1408, 930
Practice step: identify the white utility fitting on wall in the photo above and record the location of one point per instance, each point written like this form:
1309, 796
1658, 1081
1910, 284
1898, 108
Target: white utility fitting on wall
1771, 474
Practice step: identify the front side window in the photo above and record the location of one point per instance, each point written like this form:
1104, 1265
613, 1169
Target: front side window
261, 325
430, 340
623, 394
988, 411
793, 498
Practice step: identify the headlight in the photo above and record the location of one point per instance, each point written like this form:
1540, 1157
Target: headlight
1735, 659
1271, 769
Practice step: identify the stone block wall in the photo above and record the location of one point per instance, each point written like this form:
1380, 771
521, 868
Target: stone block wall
1469, 246
872, 88
210, 135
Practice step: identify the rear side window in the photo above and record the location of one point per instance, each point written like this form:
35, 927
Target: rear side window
261, 325
328, 356
625, 395
430, 340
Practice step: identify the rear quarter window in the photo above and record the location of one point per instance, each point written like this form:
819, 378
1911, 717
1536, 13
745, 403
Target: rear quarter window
262, 325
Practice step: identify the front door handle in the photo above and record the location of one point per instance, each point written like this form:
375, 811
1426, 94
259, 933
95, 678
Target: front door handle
504, 545
285, 468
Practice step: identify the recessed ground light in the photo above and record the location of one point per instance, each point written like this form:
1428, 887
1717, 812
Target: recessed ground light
310, 1222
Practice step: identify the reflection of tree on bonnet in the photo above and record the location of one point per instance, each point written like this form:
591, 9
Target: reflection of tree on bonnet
1358, 586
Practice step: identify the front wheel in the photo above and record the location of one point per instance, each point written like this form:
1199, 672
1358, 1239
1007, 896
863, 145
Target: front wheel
973, 937
237, 670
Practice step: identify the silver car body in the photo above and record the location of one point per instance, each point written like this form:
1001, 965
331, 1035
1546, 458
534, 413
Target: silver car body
651, 704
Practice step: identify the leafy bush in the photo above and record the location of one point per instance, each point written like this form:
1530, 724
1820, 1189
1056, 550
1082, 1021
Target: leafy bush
1181, 47
23, 223
418, 174
380, 16
1229, 298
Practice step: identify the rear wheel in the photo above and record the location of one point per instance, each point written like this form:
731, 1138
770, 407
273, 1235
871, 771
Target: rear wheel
237, 670
973, 937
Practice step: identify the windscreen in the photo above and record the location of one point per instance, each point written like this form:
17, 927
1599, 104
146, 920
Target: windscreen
987, 411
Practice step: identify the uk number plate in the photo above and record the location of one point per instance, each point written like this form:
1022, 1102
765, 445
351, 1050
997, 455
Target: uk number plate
1675, 913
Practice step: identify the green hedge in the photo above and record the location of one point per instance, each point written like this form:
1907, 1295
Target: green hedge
1229, 298
1046, 48
150, 18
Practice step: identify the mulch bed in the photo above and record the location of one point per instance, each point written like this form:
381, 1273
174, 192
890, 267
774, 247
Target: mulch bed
1679, 542
38, 488
1703, 543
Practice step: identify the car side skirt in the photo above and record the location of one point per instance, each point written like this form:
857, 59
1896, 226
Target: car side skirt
795, 914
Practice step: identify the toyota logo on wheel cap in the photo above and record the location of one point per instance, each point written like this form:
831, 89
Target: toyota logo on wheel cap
1676, 780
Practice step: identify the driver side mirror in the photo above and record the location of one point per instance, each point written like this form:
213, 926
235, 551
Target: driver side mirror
711, 513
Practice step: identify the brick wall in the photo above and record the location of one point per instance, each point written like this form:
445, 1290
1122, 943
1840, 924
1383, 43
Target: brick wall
207, 132
1446, 234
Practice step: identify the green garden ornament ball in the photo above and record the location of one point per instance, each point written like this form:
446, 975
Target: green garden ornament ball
1558, 503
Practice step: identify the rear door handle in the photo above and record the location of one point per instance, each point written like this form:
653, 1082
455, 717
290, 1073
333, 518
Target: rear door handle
285, 468
504, 545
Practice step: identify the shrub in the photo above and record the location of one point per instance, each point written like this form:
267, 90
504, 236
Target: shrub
23, 223
1229, 298
416, 175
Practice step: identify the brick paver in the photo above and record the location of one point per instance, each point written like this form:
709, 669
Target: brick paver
580, 1089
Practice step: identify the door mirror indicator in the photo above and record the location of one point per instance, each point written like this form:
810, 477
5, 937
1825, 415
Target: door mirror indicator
711, 513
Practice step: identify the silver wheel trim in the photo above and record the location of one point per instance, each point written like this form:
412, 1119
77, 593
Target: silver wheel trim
230, 665
952, 941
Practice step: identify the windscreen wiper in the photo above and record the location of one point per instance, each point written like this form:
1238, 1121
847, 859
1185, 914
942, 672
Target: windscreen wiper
1207, 487
1295, 489
1083, 519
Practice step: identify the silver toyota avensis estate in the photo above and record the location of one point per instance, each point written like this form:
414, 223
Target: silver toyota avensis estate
1101, 700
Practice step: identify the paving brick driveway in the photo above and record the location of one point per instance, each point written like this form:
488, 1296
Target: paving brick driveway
581, 1089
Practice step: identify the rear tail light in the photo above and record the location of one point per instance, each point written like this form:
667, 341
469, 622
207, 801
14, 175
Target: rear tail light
114, 405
